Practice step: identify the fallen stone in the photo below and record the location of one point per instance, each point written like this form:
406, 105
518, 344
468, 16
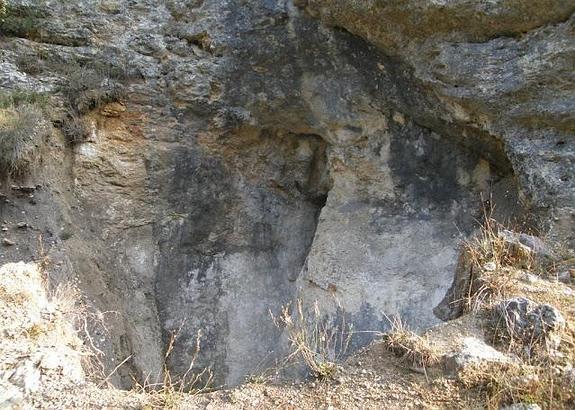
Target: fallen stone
474, 351
114, 109
50, 361
8, 242
26, 189
546, 318
528, 321
527, 248
564, 276
490, 266
528, 277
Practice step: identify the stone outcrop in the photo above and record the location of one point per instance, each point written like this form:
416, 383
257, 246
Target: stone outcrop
473, 352
522, 319
262, 153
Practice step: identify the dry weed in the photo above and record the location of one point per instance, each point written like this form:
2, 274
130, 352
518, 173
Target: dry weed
507, 383
491, 261
171, 390
319, 344
410, 347
22, 133
541, 372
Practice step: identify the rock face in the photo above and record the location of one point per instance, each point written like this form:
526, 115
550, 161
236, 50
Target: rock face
497, 69
259, 155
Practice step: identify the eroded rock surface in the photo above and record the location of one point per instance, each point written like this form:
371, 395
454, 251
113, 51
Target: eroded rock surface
259, 155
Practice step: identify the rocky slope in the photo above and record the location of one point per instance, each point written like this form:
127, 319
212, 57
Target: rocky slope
236, 155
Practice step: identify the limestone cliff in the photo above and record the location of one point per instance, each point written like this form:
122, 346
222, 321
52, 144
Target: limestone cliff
240, 154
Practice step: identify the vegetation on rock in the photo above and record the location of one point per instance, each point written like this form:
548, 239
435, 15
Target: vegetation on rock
23, 129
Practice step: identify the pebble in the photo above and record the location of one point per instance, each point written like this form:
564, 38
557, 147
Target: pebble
528, 277
489, 266
8, 242
50, 361
564, 276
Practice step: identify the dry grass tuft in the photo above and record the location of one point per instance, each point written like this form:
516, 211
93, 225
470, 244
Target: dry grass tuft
90, 87
22, 133
543, 371
410, 347
319, 344
491, 261
507, 383
171, 390
75, 129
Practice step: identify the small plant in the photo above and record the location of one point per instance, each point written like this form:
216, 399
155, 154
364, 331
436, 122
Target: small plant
89, 87
410, 347
22, 132
2, 9
490, 260
19, 97
170, 391
21, 21
316, 342
257, 379
75, 129
30, 63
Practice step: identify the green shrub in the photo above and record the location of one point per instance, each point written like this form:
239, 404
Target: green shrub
21, 21
22, 132
89, 87
18, 97
75, 129
30, 63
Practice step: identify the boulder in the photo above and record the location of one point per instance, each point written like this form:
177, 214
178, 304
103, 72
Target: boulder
27, 376
473, 351
527, 248
528, 321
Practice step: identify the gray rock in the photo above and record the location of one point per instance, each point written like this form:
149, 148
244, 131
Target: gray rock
473, 351
527, 248
8, 242
528, 277
522, 406
528, 321
545, 318
483, 76
564, 276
